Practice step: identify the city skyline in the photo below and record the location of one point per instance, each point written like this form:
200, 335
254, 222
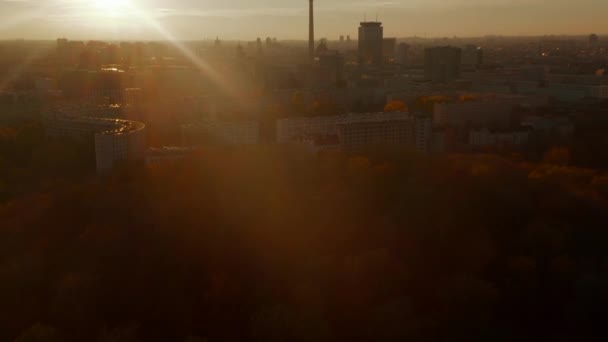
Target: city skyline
243, 20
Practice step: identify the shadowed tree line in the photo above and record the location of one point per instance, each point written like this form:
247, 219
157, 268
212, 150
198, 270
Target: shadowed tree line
265, 244
29, 162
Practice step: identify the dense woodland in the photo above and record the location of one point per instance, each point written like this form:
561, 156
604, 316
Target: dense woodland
271, 244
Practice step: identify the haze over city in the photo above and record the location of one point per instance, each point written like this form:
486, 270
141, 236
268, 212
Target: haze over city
303, 170
245, 19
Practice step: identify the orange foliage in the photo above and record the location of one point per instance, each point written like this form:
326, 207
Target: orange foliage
435, 99
297, 238
7, 133
466, 98
557, 155
396, 106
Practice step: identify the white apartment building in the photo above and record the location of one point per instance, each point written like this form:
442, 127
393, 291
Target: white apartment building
292, 129
423, 129
116, 141
353, 135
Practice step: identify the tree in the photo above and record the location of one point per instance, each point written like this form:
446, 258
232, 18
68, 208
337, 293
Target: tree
558, 156
38, 333
396, 106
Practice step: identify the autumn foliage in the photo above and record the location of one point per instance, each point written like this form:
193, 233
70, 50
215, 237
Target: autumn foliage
265, 244
396, 106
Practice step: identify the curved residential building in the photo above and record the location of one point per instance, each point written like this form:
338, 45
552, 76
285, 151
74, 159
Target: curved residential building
123, 143
116, 141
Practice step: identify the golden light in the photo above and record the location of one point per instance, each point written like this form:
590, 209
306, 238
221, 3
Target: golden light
112, 6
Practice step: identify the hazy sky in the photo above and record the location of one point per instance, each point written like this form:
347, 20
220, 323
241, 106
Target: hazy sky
287, 19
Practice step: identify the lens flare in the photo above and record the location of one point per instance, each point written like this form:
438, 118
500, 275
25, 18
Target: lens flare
112, 7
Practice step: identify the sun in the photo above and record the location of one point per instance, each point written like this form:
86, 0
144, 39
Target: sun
112, 5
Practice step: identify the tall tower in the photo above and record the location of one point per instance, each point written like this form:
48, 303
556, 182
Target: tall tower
371, 35
311, 29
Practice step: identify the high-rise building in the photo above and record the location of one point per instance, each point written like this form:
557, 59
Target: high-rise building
311, 29
370, 42
442, 64
594, 40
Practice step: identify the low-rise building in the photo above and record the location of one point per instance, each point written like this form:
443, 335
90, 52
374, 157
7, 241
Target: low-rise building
415, 131
477, 110
290, 129
222, 132
116, 141
360, 134
559, 127
168, 154
486, 137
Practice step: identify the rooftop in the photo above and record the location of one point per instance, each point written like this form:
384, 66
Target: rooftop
371, 23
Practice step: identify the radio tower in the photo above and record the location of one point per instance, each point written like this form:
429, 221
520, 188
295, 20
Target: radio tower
311, 29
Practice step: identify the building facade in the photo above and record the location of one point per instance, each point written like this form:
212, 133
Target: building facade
472, 57
402, 55
221, 132
442, 64
116, 141
168, 155
353, 135
371, 36
415, 131
293, 129
490, 138
484, 111
389, 47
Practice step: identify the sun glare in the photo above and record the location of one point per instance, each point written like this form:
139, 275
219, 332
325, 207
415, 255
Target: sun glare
112, 5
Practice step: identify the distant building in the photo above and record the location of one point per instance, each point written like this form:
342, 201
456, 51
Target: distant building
493, 111
133, 96
46, 86
442, 64
311, 28
600, 92
293, 129
594, 40
389, 45
353, 135
558, 127
486, 137
316, 144
332, 67
168, 155
415, 131
221, 132
116, 141
370, 42
550, 46
402, 54
567, 92
472, 57
423, 129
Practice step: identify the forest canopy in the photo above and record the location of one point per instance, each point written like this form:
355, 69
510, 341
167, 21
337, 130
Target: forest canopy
265, 244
